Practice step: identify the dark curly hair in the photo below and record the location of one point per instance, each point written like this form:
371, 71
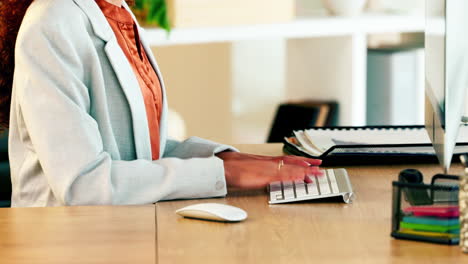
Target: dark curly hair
11, 15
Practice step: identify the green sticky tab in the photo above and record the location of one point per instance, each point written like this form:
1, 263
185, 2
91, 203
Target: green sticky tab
432, 228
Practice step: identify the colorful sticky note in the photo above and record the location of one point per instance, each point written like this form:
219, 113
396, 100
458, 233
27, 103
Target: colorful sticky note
447, 211
431, 220
431, 228
428, 234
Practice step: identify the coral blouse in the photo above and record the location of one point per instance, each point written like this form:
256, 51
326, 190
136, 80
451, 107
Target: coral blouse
126, 31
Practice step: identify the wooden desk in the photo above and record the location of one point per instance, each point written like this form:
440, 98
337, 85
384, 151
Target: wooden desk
78, 235
310, 232
300, 233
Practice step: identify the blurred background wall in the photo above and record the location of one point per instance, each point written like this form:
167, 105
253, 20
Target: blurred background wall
229, 91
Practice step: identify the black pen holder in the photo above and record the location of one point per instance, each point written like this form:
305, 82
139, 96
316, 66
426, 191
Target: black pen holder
427, 212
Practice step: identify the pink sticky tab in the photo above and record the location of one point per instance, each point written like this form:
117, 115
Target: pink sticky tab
447, 211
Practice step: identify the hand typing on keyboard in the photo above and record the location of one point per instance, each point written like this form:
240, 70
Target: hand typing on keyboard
334, 182
247, 171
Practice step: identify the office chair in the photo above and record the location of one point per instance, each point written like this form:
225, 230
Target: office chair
301, 115
5, 180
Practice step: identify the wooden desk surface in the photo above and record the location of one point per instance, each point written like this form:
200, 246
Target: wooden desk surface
78, 235
310, 232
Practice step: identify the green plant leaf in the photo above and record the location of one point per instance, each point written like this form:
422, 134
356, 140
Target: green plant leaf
156, 12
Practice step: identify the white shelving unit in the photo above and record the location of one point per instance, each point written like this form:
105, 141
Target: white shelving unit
325, 26
303, 38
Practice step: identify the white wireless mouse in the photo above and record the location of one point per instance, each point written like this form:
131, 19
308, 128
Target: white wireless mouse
213, 211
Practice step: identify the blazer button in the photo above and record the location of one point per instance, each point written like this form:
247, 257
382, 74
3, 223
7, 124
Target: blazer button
219, 185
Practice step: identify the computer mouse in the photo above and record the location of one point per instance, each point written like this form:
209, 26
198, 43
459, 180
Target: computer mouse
214, 212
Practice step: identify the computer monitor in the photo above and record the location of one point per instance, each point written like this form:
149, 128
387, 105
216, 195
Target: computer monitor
446, 47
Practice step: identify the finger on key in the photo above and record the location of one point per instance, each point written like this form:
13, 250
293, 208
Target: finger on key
315, 171
291, 172
291, 160
313, 162
301, 161
298, 173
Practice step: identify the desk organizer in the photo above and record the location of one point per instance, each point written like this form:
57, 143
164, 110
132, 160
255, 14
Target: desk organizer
427, 212
464, 212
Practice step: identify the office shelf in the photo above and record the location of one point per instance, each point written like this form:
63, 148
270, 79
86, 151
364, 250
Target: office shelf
321, 26
328, 55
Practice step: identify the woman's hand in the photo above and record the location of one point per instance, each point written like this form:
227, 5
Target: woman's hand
248, 171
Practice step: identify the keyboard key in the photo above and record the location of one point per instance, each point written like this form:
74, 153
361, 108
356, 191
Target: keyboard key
278, 195
275, 186
301, 193
289, 194
312, 187
323, 184
300, 189
296, 182
288, 190
287, 185
276, 191
333, 183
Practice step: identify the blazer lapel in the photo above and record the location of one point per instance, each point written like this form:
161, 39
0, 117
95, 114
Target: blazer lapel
149, 53
132, 90
125, 75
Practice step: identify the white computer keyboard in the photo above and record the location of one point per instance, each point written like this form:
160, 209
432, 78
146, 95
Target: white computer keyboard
334, 182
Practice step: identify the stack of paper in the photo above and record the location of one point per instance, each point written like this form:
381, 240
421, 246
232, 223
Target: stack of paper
409, 140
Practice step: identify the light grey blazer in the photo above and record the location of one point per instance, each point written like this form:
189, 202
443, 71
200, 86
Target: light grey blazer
78, 127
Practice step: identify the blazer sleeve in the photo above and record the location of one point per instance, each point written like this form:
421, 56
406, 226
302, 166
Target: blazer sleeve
53, 102
194, 147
